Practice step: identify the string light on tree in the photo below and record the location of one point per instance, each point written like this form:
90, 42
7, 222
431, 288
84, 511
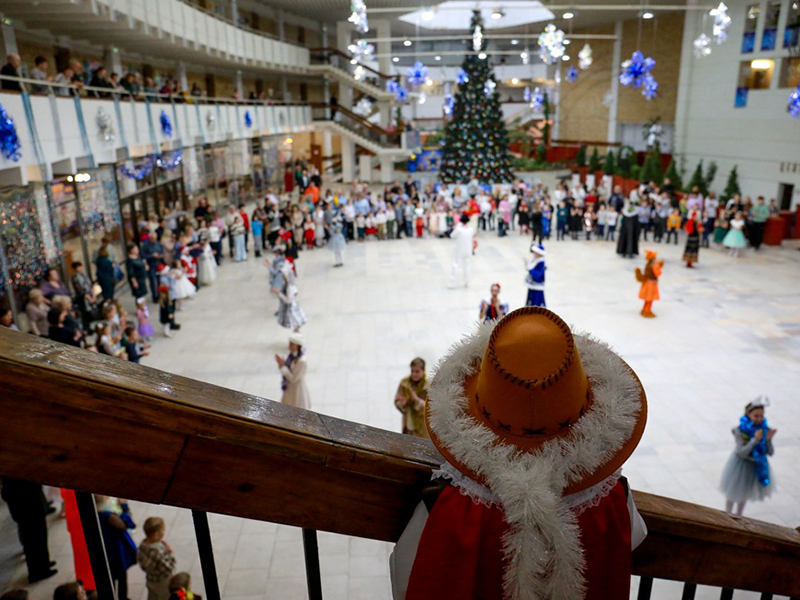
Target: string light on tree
702, 46
722, 21
585, 58
551, 44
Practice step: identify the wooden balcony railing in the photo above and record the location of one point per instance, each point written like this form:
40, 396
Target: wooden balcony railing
177, 441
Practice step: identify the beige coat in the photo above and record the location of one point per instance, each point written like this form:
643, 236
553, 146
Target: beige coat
296, 393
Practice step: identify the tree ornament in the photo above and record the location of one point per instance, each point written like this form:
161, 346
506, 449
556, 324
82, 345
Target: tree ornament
702, 46
585, 57
166, 124
488, 87
551, 44
462, 77
572, 74
417, 75
794, 103
105, 126
721, 22
9, 140
449, 101
358, 15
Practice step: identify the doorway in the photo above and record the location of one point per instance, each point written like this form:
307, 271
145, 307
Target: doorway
785, 193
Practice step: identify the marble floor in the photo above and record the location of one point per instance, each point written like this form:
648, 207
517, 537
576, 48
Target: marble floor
726, 332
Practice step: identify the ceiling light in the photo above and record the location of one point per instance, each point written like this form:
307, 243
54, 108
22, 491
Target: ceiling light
647, 15
568, 15
427, 14
429, 81
523, 55
482, 55
395, 59
514, 42
407, 43
438, 57
514, 81
565, 58
498, 13
567, 42
761, 64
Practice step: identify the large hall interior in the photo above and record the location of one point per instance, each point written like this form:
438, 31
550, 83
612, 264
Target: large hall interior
381, 300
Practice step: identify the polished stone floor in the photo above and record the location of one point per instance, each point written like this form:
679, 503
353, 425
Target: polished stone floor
726, 332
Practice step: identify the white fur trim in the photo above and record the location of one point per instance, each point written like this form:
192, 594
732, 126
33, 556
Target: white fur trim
545, 558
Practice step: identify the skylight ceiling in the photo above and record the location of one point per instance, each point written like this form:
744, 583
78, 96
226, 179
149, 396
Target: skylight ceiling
456, 14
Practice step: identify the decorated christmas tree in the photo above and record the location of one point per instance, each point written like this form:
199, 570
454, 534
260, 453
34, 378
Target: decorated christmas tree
609, 167
698, 180
476, 139
673, 175
732, 187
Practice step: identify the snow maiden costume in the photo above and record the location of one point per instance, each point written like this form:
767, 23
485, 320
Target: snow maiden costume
535, 277
534, 423
290, 315
747, 474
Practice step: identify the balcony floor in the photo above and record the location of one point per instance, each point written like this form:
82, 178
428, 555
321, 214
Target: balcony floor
727, 331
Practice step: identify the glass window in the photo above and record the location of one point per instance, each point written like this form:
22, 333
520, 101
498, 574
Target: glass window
750, 28
101, 215
756, 74
791, 37
770, 36
790, 73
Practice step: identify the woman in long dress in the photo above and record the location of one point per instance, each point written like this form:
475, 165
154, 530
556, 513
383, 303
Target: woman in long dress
293, 370
694, 226
207, 264
628, 242
290, 315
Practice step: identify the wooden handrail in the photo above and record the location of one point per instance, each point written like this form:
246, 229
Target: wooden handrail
85, 421
359, 119
347, 57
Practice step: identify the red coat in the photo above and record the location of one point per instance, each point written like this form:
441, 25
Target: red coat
460, 553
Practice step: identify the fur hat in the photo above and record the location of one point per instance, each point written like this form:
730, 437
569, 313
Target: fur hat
298, 339
538, 250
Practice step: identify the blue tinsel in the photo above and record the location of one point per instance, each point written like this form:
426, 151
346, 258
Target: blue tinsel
140, 172
166, 124
794, 102
9, 140
248, 120
172, 164
572, 74
418, 74
462, 77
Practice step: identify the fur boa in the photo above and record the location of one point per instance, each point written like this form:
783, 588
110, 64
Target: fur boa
542, 545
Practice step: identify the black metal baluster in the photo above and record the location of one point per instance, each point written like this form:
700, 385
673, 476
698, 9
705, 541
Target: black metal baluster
689, 590
203, 534
726, 594
311, 551
94, 545
645, 588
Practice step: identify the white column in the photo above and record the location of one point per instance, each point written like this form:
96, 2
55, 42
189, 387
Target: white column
348, 160
239, 84
112, 60
327, 143
387, 168
382, 30
344, 33
556, 102
181, 76
616, 59
365, 168
8, 41
685, 76
386, 113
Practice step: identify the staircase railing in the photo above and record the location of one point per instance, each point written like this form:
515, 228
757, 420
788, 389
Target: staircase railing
357, 124
177, 441
337, 58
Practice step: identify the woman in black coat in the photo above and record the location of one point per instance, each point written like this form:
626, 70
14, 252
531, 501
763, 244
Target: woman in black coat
137, 271
105, 274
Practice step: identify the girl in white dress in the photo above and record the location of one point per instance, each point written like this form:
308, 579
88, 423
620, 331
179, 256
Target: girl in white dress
183, 287
207, 264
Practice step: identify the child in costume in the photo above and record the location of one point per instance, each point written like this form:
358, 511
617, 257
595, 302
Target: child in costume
180, 588
337, 243
309, 233
410, 399
115, 520
493, 309
649, 280
735, 239
747, 474
535, 277
146, 331
694, 227
290, 315
534, 423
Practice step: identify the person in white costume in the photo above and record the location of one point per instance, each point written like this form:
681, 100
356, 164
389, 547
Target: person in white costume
464, 237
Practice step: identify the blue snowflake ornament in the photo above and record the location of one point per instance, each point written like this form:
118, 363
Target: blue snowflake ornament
526, 95
572, 74
462, 77
166, 124
9, 140
391, 86
401, 95
635, 68
794, 103
417, 75
248, 120
649, 87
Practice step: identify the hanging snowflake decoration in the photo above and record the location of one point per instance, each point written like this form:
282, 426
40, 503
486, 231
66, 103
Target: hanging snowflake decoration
702, 46
9, 140
794, 103
248, 119
526, 94
417, 75
537, 100
358, 73
392, 86
105, 126
401, 95
477, 38
585, 57
364, 107
551, 44
421, 98
462, 77
572, 74
488, 87
635, 69
449, 101
649, 87
166, 124
722, 21
361, 50
358, 15
211, 121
